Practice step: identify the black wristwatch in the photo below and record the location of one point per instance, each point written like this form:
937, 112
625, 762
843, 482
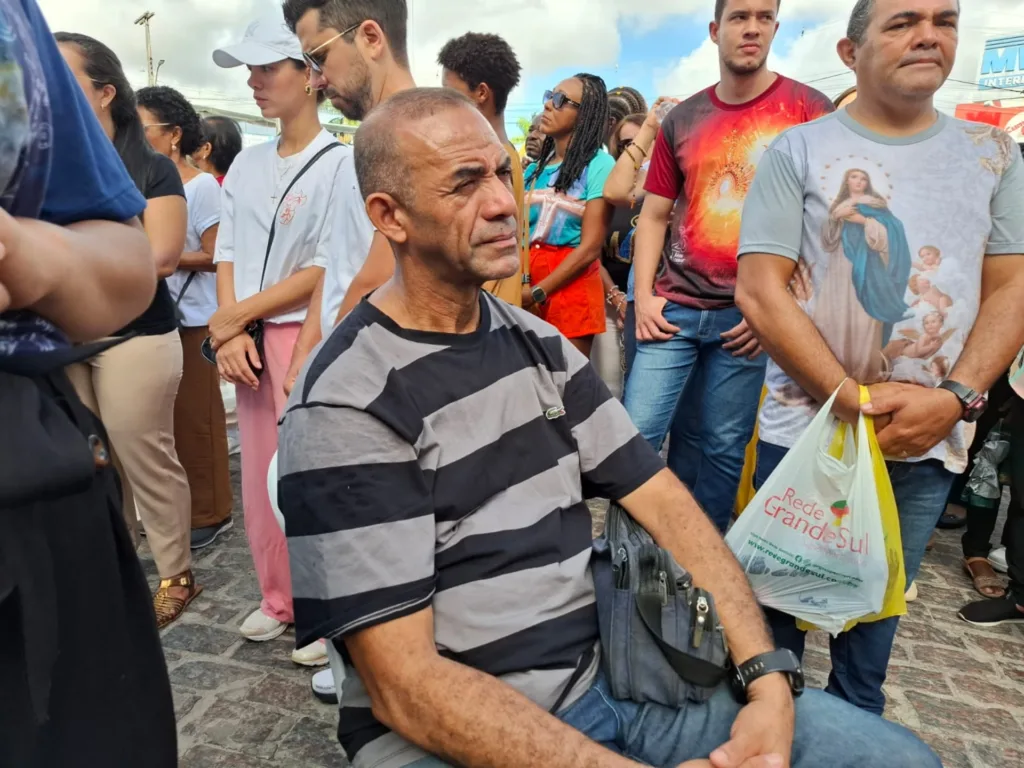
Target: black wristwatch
973, 403
782, 660
538, 294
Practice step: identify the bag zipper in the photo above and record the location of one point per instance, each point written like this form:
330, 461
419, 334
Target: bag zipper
701, 610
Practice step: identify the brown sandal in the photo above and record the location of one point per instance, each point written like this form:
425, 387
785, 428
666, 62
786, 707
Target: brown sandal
167, 607
986, 582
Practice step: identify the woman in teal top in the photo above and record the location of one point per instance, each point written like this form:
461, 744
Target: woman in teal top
568, 216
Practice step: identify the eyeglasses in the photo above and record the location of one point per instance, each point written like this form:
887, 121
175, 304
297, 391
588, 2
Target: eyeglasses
559, 99
625, 144
155, 125
316, 63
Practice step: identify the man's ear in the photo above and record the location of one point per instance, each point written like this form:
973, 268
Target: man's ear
483, 94
387, 217
847, 51
372, 39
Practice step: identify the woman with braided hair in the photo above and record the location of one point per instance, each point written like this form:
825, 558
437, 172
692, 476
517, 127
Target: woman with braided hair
568, 215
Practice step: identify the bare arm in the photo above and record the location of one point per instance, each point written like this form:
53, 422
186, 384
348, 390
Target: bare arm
226, 284
787, 333
166, 220
88, 278
998, 332
202, 260
626, 181
488, 725
651, 230
376, 270
594, 231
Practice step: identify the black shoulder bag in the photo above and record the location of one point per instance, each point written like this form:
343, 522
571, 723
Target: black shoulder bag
255, 328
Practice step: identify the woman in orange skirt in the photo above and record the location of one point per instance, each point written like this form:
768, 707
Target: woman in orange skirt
568, 216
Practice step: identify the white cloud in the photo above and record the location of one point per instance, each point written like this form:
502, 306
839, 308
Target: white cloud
546, 34
812, 58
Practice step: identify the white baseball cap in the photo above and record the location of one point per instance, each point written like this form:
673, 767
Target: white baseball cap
265, 42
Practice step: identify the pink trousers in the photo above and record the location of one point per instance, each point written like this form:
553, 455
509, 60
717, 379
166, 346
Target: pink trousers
258, 414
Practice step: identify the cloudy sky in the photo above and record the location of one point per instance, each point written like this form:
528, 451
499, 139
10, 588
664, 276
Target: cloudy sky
657, 46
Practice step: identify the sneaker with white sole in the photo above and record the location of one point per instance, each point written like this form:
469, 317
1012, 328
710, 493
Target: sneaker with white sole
997, 559
323, 686
260, 628
313, 655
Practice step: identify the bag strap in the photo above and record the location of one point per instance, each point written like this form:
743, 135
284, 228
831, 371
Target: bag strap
584, 664
188, 282
273, 222
690, 668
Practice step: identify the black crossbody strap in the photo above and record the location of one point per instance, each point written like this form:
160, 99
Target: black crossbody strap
689, 668
273, 222
188, 282
584, 664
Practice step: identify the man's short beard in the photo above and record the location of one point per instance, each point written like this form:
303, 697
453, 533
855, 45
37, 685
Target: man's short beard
750, 69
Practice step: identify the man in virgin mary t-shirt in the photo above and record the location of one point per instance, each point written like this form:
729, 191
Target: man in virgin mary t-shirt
687, 323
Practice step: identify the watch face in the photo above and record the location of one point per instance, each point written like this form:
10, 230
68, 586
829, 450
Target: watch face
973, 411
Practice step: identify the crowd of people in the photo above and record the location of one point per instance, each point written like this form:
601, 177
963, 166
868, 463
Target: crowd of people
442, 346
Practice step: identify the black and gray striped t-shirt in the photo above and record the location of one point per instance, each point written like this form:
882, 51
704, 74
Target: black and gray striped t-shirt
422, 469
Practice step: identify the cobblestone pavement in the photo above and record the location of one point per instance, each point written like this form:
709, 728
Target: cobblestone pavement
245, 705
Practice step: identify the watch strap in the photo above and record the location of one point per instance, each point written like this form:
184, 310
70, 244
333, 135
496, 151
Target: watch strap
781, 660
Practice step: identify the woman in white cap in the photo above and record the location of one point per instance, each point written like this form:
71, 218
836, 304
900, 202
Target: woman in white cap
271, 251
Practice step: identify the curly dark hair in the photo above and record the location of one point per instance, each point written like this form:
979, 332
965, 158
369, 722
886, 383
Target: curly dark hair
481, 58
588, 136
170, 107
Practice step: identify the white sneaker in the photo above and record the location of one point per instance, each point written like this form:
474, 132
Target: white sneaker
911, 595
259, 627
313, 655
323, 686
997, 559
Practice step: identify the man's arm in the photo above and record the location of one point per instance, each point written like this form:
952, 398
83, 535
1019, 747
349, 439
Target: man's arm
788, 334
487, 724
376, 270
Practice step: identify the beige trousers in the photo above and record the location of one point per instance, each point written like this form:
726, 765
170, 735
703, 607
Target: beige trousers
607, 352
132, 388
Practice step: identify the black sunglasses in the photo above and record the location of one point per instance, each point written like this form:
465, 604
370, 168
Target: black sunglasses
315, 60
559, 99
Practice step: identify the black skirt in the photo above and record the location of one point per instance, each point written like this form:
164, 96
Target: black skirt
83, 681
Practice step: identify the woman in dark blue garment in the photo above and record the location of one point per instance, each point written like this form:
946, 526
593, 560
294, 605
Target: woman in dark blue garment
82, 676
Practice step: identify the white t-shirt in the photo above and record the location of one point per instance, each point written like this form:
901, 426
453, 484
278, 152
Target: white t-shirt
251, 193
202, 195
352, 231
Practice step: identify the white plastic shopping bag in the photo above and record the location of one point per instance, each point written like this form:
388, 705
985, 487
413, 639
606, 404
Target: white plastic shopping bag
811, 540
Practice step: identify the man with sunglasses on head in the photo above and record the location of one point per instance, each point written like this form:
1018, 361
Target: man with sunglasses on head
687, 324
356, 51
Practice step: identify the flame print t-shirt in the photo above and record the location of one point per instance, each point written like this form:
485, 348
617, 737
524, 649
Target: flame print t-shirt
890, 236
705, 158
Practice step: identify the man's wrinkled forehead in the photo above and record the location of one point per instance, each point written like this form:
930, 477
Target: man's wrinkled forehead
439, 142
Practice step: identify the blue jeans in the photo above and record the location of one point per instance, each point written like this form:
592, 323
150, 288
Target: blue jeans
684, 437
860, 657
725, 407
828, 732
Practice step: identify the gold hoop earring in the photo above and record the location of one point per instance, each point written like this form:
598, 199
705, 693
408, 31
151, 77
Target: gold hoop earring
309, 89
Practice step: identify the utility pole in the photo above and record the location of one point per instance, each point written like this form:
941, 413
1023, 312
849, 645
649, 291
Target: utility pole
143, 21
